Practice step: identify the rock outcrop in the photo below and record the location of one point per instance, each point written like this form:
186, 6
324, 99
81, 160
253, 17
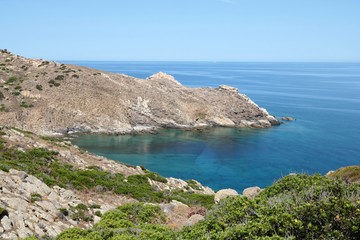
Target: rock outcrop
53, 98
224, 193
33, 208
251, 192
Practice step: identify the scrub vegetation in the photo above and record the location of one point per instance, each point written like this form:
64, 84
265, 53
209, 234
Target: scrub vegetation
44, 164
295, 207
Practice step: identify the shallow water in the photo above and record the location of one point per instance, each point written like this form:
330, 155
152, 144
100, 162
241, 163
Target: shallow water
323, 97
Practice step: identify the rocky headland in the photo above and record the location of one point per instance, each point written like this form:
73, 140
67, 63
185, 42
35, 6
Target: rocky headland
48, 98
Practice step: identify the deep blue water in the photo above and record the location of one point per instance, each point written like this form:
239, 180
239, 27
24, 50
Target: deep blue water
323, 97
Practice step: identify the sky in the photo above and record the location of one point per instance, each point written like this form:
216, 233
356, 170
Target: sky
182, 30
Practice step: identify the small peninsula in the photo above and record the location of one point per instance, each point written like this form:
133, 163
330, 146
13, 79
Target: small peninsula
50, 98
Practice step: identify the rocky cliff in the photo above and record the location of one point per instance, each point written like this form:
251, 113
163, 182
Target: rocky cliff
48, 97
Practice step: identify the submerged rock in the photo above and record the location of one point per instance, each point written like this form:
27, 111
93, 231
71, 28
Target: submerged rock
288, 119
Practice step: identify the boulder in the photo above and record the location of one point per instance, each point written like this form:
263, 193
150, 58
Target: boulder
6, 223
224, 193
251, 192
194, 219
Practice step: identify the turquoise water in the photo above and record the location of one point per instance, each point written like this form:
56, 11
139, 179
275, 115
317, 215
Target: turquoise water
323, 97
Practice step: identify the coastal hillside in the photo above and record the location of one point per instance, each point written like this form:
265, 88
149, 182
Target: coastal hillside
48, 97
50, 189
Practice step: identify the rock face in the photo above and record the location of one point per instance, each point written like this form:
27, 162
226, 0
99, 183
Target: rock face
48, 98
224, 193
251, 192
27, 216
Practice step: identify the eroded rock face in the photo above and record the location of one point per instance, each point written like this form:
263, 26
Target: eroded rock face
59, 98
224, 193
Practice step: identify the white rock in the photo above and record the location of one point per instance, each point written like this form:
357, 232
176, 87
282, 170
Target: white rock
251, 192
194, 219
6, 223
16, 203
24, 232
224, 193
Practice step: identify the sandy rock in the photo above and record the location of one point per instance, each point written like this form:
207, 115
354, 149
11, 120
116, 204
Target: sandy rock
251, 192
224, 193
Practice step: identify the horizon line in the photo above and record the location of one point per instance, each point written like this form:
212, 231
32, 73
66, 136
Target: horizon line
211, 61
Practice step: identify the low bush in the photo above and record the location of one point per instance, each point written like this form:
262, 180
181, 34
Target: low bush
296, 207
26, 105
39, 87
35, 197
2, 97
11, 80
156, 177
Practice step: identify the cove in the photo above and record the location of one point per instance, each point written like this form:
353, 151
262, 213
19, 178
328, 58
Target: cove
323, 97
217, 157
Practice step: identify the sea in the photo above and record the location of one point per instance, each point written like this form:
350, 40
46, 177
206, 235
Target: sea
324, 98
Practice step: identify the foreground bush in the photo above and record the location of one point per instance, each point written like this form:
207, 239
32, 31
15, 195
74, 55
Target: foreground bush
296, 207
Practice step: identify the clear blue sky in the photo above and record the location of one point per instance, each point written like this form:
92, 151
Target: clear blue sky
210, 30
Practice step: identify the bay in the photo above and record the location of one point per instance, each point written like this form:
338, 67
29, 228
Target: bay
323, 97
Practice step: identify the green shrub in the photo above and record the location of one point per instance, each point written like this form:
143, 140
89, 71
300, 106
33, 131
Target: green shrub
92, 206
2, 97
98, 213
35, 197
72, 233
60, 77
39, 87
26, 105
2, 108
64, 211
81, 213
193, 184
301, 207
156, 177
53, 83
11, 80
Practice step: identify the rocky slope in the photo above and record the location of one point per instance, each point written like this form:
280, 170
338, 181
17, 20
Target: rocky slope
29, 206
48, 97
